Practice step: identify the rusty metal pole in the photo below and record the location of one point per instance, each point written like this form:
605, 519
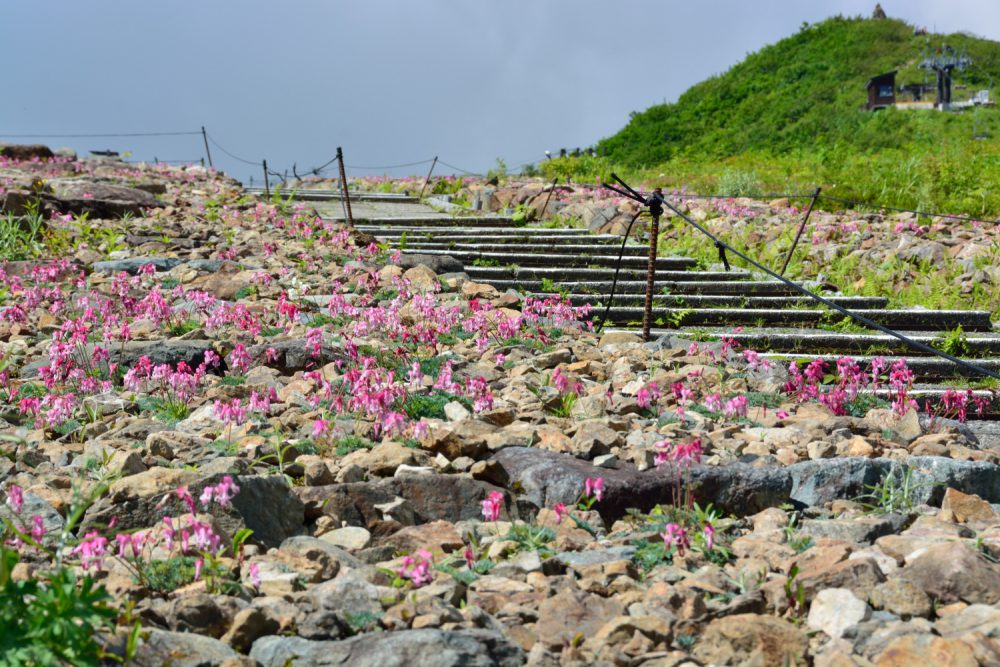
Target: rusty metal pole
655, 210
428, 179
546, 204
267, 182
343, 182
798, 234
204, 136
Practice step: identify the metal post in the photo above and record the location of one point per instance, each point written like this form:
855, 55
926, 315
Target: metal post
267, 182
343, 182
204, 136
798, 234
655, 210
428, 179
546, 204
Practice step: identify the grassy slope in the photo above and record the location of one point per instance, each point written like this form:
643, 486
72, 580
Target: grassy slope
790, 113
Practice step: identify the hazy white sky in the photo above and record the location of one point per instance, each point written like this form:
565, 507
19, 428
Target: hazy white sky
391, 81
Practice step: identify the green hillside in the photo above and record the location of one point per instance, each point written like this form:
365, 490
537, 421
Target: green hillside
790, 115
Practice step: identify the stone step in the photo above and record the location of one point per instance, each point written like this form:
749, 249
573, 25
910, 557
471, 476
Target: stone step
577, 250
518, 259
628, 284
984, 344
492, 274
917, 320
681, 301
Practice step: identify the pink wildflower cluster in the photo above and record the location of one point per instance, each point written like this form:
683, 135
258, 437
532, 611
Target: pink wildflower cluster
417, 568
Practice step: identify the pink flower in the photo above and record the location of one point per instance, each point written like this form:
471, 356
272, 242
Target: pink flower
15, 498
736, 406
417, 569
709, 536
492, 505
561, 512
37, 528
198, 564
320, 428
675, 535
560, 381
594, 487
254, 571
470, 557
91, 550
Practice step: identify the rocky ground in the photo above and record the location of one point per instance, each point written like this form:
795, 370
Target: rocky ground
435, 473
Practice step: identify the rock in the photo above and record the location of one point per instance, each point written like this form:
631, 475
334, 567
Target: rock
594, 438
967, 507
751, 639
834, 610
24, 152
859, 575
926, 651
197, 613
438, 537
351, 538
901, 597
289, 356
974, 618
431, 497
180, 649
100, 200
952, 572
402, 648
249, 625
437, 263
422, 279
548, 478
383, 459
570, 614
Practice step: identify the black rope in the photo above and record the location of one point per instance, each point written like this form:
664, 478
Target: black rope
390, 166
766, 195
451, 166
799, 288
99, 136
235, 157
907, 210
618, 267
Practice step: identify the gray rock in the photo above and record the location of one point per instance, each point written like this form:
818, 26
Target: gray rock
437, 263
293, 355
100, 200
404, 648
430, 497
548, 478
269, 508
172, 352
180, 649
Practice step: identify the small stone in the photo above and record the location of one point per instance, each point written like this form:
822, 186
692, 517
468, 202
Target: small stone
834, 610
351, 538
967, 507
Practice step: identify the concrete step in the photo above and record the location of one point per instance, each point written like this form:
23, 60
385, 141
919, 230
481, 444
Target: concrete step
681, 301
736, 286
801, 341
502, 259
917, 320
523, 276
583, 250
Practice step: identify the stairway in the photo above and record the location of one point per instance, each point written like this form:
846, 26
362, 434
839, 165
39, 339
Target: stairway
692, 304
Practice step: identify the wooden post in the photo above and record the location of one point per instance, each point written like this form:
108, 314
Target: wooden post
343, 182
428, 179
204, 136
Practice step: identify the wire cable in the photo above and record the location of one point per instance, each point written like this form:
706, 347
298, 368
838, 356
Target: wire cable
390, 166
235, 157
816, 297
99, 136
451, 166
618, 267
907, 210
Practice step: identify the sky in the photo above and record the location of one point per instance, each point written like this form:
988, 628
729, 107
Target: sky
391, 81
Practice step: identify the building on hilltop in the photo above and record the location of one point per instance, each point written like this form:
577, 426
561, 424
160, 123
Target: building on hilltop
881, 91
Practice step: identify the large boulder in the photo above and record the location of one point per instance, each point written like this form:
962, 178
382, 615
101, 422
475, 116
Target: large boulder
403, 648
547, 478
